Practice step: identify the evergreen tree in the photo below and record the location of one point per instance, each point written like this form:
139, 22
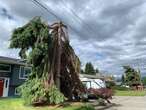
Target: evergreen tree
89, 69
82, 71
123, 79
132, 76
55, 66
96, 70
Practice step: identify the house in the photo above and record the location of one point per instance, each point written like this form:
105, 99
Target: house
13, 73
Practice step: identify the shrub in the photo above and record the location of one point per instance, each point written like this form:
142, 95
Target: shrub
55, 96
33, 91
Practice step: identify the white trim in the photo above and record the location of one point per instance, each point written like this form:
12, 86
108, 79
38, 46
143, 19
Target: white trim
16, 92
20, 73
5, 86
23, 71
5, 65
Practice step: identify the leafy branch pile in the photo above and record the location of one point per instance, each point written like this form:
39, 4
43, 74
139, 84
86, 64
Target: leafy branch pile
55, 66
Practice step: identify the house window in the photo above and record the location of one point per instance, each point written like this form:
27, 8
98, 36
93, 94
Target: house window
24, 72
5, 68
17, 92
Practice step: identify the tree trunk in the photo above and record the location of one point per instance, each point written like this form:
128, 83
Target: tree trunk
57, 78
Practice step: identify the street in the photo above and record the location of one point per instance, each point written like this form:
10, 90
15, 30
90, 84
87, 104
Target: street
124, 103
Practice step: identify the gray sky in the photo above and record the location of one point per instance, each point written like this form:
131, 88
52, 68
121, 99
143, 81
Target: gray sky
111, 34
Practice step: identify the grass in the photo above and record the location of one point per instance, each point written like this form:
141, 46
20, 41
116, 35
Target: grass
17, 104
129, 93
123, 91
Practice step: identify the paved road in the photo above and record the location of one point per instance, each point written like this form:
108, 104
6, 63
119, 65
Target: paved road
125, 103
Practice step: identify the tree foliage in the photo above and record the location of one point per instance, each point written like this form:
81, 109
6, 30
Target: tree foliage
54, 62
34, 92
131, 77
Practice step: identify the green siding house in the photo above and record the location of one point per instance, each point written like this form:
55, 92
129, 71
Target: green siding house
13, 73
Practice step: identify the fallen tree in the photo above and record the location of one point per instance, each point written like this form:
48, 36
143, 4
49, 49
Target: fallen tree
55, 66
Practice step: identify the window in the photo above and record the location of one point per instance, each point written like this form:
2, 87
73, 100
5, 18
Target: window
5, 68
24, 72
16, 91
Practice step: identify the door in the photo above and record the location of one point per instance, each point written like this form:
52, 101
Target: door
1, 87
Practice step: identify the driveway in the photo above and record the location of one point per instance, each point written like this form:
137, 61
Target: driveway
125, 103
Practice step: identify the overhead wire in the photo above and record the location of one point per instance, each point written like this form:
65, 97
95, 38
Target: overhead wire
50, 11
78, 17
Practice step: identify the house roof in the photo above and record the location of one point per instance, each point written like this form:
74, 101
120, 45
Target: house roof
8, 60
91, 76
97, 76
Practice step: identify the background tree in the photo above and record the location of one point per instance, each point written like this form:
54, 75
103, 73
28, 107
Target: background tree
123, 79
96, 70
82, 71
132, 76
89, 69
55, 66
144, 80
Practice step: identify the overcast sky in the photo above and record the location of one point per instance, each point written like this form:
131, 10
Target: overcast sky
110, 33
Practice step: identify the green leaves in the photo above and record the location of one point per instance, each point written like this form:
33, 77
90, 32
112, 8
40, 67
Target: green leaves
55, 96
30, 34
35, 39
33, 91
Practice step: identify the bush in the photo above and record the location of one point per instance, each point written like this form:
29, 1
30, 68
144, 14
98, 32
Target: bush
54, 96
33, 91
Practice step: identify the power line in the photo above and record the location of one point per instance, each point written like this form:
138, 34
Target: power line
79, 18
50, 12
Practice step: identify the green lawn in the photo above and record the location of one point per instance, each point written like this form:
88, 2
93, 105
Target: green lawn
17, 104
129, 93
